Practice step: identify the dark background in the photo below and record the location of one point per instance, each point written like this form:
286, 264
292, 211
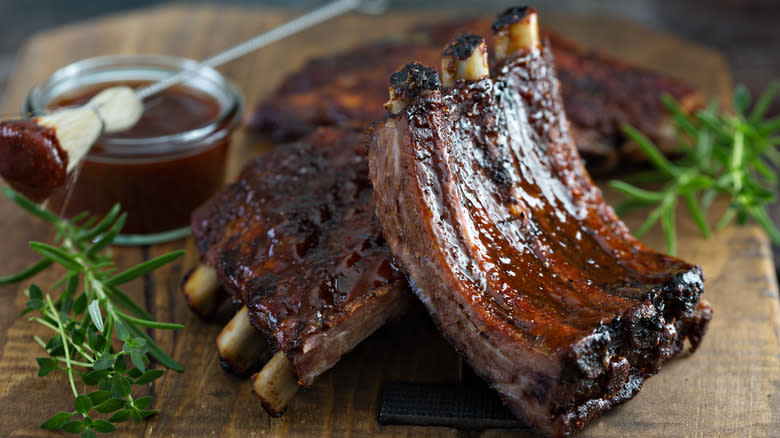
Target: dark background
747, 32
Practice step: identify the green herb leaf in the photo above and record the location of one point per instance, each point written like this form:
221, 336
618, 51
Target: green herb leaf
103, 426
57, 421
741, 98
122, 331
120, 416
80, 304
124, 301
99, 397
107, 238
77, 335
143, 402
652, 152
110, 405
95, 314
46, 365
34, 304
149, 376
148, 413
94, 340
152, 324
103, 225
157, 352
105, 361
74, 426
31, 207
144, 268
82, 404
136, 415
138, 361
57, 255
27, 273
119, 364
35, 292
120, 387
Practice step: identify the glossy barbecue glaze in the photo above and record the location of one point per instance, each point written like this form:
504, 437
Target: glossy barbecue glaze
487, 207
297, 241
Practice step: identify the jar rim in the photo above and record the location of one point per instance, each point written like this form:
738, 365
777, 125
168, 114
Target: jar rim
115, 68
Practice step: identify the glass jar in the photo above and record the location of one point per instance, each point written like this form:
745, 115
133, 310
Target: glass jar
164, 169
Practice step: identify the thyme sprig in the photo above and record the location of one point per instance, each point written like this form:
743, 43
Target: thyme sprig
735, 155
90, 316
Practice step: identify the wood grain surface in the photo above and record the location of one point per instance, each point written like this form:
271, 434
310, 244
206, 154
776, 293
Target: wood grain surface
730, 387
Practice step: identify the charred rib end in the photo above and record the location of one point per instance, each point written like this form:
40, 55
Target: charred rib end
465, 58
276, 384
409, 82
240, 345
516, 30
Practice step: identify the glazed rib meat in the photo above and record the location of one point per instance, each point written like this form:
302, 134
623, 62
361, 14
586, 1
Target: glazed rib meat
487, 208
600, 92
296, 241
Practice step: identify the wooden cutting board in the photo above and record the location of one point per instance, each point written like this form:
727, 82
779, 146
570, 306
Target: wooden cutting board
730, 387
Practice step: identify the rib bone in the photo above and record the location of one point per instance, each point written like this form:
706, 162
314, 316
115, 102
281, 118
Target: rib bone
275, 384
516, 30
202, 291
76, 130
464, 59
240, 345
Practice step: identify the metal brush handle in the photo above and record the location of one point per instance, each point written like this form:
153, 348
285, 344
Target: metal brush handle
305, 21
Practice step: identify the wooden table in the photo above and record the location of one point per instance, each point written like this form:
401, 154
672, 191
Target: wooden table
728, 388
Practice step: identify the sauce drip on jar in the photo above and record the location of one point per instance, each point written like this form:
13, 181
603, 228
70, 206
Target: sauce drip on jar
159, 182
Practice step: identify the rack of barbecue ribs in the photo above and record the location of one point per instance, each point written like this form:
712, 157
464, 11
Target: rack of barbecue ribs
296, 244
483, 196
488, 210
600, 92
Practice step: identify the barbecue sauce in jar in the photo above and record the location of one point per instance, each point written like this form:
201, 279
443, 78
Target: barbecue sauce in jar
162, 168
158, 190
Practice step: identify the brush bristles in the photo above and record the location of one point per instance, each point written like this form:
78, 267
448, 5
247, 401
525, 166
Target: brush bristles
76, 130
119, 107
112, 110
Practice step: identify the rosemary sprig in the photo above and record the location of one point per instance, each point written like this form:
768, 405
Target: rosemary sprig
87, 312
722, 154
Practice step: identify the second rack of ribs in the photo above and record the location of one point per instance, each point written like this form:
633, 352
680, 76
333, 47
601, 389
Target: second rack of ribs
296, 240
